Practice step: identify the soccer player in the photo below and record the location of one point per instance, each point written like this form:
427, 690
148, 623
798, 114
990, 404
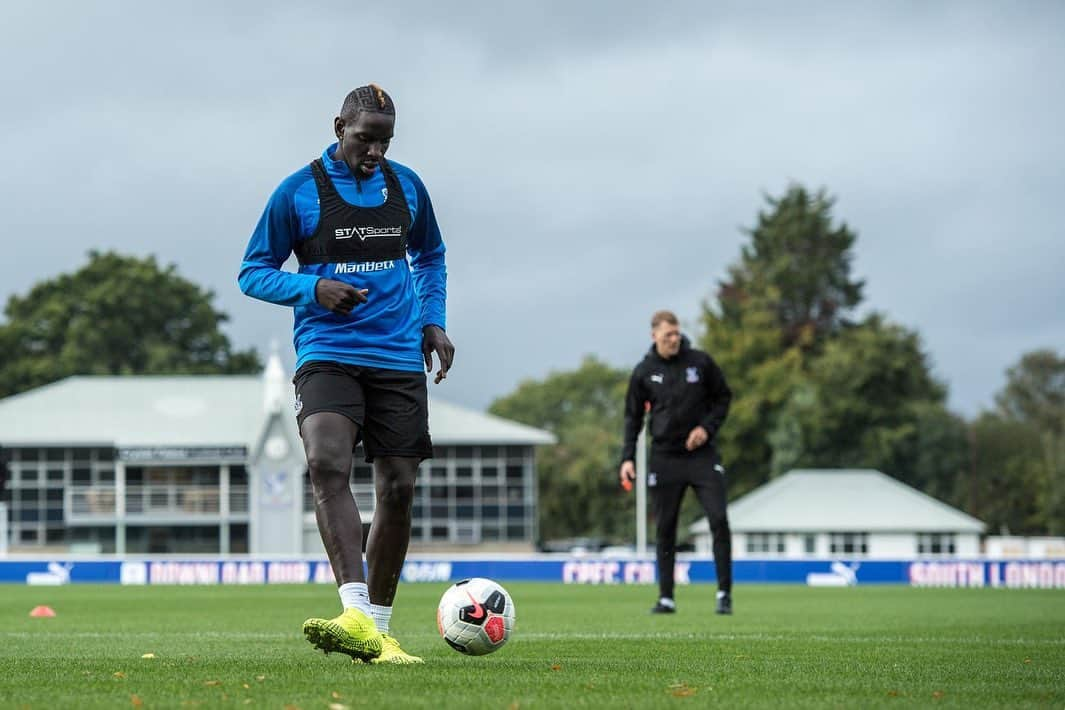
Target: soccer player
689, 401
367, 321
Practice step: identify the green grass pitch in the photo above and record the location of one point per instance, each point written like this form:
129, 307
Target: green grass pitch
574, 646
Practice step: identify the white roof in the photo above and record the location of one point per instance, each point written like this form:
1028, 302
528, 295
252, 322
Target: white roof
841, 500
196, 411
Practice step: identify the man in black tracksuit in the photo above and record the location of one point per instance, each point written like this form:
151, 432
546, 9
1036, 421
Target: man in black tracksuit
688, 400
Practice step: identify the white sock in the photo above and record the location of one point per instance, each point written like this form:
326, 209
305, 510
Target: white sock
354, 595
382, 616
721, 593
667, 602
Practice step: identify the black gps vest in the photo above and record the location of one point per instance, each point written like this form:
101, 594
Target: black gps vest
349, 233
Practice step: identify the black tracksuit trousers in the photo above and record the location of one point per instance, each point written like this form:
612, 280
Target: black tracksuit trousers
669, 476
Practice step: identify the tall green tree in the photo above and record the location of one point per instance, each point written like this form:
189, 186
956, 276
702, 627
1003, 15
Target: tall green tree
1033, 403
811, 386
1035, 391
578, 486
115, 315
799, 261
790, 292
869, 400
763, 373
1005, 475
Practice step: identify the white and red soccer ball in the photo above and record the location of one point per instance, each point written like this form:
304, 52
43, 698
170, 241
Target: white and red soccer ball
475, 616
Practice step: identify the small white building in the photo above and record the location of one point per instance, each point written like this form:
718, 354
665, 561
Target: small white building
827, 513
214, 464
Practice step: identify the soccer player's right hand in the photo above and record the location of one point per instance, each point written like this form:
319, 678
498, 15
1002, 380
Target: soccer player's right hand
338, 297
627, 474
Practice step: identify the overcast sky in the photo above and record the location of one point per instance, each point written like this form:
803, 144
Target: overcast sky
589, 162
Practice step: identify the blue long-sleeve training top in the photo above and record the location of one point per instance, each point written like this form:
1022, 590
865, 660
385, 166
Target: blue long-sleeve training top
404, 294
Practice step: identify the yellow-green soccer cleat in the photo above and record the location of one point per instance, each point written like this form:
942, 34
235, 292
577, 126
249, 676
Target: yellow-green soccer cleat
392, 653
352, 633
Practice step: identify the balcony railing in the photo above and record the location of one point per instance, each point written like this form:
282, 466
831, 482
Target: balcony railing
364, 495
101, 502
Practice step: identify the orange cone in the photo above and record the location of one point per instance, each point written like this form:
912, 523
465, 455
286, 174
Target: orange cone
42, 611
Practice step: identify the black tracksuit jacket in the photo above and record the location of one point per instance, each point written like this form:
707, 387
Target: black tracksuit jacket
685, 391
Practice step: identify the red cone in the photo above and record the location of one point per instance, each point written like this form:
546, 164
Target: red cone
42, 611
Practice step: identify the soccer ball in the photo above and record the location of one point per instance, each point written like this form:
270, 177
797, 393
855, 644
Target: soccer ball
475, 616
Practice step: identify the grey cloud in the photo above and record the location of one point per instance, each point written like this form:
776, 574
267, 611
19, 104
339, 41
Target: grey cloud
589, 162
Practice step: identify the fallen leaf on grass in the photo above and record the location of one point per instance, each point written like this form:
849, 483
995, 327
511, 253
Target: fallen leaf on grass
135, 701
148, 655
118, 674
260, 678
1028, 660
245, 686
338, 706
336, 695
681, 690
893, 693
212, 682
556, 667
292, 707
937, 694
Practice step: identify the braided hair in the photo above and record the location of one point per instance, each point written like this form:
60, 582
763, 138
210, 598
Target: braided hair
370, 98
367, 98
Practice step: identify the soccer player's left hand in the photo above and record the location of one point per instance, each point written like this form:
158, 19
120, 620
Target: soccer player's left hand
696, 438
435, 340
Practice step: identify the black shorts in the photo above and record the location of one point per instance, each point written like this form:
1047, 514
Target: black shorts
391, 407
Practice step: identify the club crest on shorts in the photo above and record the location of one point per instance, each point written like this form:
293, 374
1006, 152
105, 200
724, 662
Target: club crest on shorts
693, 374
652, 479
299, 403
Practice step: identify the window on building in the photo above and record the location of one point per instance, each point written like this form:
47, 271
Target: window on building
809, 544
765, 543
935, 544
362, 473
848, 543
238, 475
238, 538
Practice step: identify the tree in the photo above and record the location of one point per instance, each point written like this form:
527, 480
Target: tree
801, 263
1035, 391
1033, 402
1005, 475
116, 315
811, 387
763, 374
870, 401
578, 486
